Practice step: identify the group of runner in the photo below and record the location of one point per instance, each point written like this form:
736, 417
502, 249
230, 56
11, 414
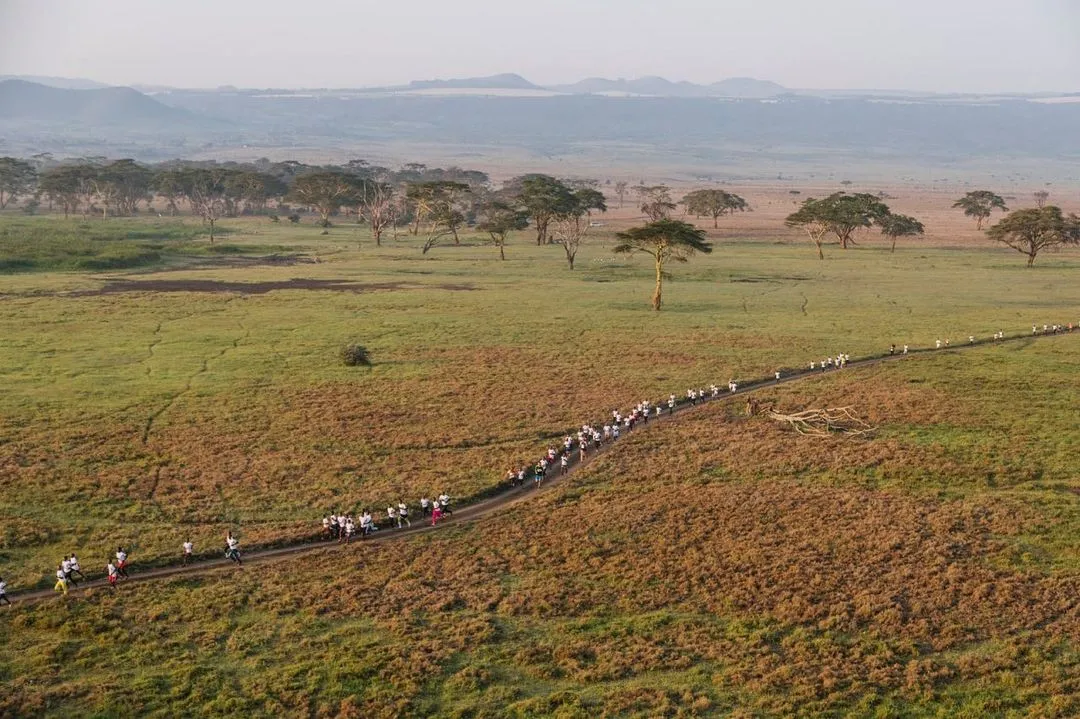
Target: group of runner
341, 527
590, 437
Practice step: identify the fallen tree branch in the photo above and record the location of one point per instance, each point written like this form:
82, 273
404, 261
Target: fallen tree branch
823, 422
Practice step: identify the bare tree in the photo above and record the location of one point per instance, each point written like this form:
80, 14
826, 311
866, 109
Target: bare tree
620, 192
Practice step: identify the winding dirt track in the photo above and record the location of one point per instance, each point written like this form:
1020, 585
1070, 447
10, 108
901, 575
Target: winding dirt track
485, 507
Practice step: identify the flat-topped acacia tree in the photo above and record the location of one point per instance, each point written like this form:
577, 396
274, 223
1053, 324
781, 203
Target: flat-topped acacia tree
664, 240
1035, 229
896, 226
980, 204
840, 214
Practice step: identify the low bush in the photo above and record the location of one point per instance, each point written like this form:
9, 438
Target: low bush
355, 355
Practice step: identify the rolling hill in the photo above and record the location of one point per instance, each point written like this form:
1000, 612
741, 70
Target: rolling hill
22, 101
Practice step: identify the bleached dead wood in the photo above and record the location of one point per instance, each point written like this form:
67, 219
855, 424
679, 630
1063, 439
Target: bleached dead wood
823, 422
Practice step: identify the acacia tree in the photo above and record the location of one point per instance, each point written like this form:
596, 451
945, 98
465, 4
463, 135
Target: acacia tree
655, 201
840, 214
714, 203
1040, 198
543, 198
572, 223
70, 186
664, 240
620, 191
122, 185
811, 217
17, 177
895, 226
1032, 230
498, 218
206, 190
376, 203
427, 198
980, 204
325, 192
169, 186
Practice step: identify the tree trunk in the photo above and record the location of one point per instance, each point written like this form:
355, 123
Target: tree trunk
378, 236
456, 240
416, 225
979, 223
656, 298
212, 221
1031, 259
715, 222
893, 250
502, 253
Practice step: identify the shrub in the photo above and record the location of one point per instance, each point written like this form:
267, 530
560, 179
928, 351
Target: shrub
355, 355
275, 218
294, 218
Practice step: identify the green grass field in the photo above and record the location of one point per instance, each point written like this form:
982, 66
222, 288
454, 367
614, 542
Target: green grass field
717, 566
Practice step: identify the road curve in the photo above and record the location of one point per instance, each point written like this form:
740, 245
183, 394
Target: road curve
505, 497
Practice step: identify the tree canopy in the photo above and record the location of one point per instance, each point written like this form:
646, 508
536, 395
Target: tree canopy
840, 214
499, 218
655, 200
896, 226
543, 198
17, 178
325, 192
980, 204
573, 220
664, 240
714, 203
1032, 230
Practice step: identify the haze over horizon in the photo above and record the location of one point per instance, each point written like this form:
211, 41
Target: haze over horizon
960, 46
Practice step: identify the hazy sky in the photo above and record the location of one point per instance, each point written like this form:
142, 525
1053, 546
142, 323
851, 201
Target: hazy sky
941, 45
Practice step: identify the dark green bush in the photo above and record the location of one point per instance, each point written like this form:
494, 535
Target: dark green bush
355, 355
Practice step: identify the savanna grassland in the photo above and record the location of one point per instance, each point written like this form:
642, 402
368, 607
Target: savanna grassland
712, 565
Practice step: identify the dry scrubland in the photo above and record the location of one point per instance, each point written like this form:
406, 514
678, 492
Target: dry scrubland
710, 565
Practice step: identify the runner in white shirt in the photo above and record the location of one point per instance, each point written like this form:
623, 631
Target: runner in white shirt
3, 591
391, 514
112, 573
121, 562
366, 526
326, 527
232, 548
189, 549
565, 464
65, 566
76, 569
403, 514
349, 530
905, 349
61, 580
444, 501
425, 505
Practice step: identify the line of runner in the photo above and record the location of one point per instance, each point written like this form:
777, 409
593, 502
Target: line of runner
575, 447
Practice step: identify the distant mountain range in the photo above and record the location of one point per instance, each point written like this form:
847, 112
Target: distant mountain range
662, 87
64, 83
650, 120
117, 107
